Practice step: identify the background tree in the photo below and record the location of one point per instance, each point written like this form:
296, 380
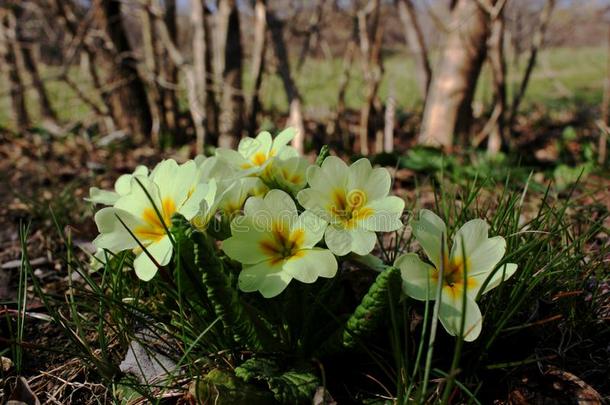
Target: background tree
448, 109
127, 97
230, 57
26, 44
134, 74
258, 62
416, 42
295, 117
10, 52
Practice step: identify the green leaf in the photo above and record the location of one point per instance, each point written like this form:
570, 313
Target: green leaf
293, 386
187, 280
237, 320
324, 152
368, 315
224, 388
373, 308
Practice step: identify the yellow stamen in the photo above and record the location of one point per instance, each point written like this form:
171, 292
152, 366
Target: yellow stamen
283, 244
453, 277
259, 158
349, 208
154, 229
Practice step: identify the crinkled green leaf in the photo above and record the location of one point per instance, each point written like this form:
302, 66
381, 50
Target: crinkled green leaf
288, 387
224, 297
373, 308
369, 314
224, 388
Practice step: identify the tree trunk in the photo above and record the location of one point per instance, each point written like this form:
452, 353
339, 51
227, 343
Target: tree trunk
389, 121
30, 63
65, 10
9, 50
295, 119
232, 104
312, 33
152, 61
163, 82
169, 72
373, 69
258, 58
348, 58
414, 37
497, 62
605, 113
448, 110
127, 98
197, 98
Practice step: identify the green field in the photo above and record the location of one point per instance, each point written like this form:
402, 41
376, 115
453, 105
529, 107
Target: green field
563, 78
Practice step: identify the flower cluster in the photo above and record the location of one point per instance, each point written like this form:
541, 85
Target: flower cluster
290, 219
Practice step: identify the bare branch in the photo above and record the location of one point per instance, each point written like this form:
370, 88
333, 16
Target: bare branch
538, 39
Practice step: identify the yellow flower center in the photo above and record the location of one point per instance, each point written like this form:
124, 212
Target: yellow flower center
259, 158
453, 277
283, 244
349, 207
154, 227
293, 178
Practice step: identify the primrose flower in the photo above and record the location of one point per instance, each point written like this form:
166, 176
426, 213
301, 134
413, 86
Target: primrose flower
354, 200
121, 187
275, 244
462, 276
287, 174
215, 168
208, 205
146, 211
235, 197
255, 154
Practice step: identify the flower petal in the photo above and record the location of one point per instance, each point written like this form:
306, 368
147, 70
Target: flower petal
203, 193
378, 183
143, 190
123, 184
331, 175
450, 314
315, 201
264, 277
313, 227
244, 250
311, 264
417, 280
473, 233
250, 146
174, 181
215, 168
501, 274
359, 173
363, 241
104, 197
282, 139
338, 240
113, 235
386, 215
232, 157
161, 251
428, 230
486, 256
281, 205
